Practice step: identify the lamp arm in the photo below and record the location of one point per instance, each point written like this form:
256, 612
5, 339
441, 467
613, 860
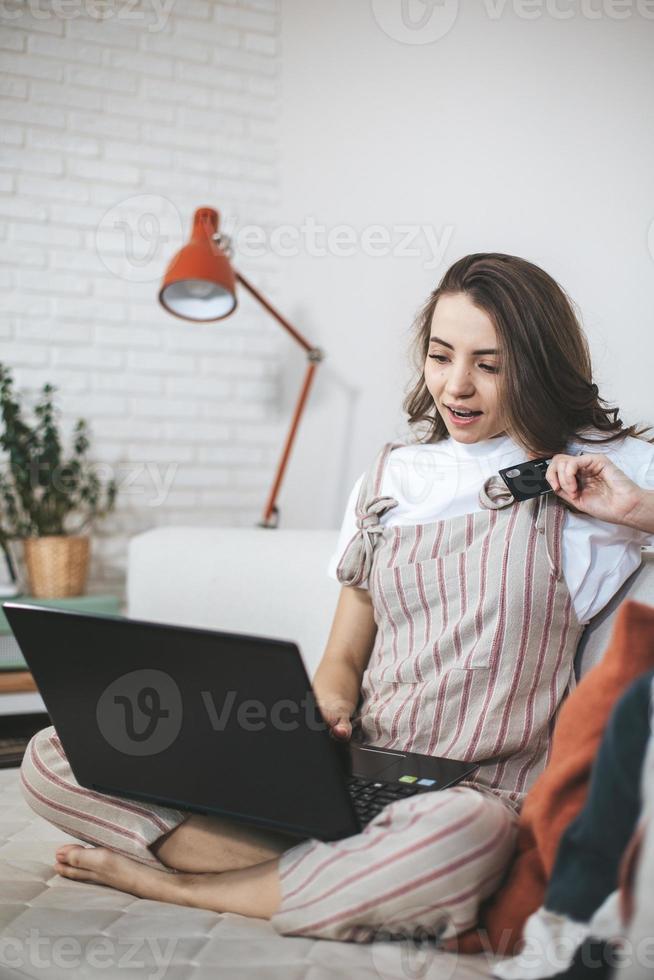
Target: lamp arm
277, 315
315, 355
270, 509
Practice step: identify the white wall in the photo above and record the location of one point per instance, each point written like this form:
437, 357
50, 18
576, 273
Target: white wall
527, 136
178, 102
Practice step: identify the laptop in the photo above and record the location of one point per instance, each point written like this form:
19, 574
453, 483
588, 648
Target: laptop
210, 722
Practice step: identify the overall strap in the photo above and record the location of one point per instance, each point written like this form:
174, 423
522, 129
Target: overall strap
356, 561
494, 494
373, 479
548, 513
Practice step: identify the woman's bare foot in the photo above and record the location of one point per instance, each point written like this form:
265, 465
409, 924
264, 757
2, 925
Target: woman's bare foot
246, 891
102, 866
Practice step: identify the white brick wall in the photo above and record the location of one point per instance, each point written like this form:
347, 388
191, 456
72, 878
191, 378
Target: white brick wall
181, 107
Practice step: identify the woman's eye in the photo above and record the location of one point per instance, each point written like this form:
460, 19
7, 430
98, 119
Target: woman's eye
441, 358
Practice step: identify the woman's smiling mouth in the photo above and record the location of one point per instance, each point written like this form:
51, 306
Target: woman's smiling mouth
462, 416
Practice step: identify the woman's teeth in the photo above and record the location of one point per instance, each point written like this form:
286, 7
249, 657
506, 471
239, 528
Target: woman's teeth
462, 418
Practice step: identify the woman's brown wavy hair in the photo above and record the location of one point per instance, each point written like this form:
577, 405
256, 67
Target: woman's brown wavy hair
546, 379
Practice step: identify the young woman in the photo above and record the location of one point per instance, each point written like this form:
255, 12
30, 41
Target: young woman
454, 634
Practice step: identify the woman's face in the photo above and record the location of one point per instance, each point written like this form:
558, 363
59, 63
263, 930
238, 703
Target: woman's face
462, 369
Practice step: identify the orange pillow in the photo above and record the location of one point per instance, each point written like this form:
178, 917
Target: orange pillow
559, 794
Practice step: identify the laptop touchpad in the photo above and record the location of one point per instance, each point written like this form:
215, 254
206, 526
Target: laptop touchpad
372, 763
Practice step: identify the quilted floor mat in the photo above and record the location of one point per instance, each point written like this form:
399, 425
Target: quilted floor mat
53, 928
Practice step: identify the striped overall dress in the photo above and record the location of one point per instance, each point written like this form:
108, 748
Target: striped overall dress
476, 636
473, 655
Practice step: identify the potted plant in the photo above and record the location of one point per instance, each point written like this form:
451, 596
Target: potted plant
43, 491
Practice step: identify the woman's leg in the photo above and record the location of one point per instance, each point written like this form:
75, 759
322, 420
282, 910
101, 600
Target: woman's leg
216, 844
422, 866
251, 891
52, 791
157, 836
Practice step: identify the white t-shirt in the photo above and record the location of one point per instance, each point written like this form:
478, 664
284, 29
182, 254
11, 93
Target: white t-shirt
440, 480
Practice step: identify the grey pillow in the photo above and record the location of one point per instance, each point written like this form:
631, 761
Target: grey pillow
595, 638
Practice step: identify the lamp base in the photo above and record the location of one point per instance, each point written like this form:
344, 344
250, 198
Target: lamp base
272, 521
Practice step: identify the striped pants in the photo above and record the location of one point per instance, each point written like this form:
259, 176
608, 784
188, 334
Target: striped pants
422, 866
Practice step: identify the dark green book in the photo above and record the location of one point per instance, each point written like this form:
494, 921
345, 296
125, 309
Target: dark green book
10, 656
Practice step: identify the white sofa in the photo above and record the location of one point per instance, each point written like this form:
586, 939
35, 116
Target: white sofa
268, 582
245, 580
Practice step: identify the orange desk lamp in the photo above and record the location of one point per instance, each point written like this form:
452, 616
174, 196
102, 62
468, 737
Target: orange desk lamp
200, 285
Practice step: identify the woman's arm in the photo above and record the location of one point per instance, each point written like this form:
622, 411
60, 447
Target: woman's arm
591, 483
642, 515
338, 679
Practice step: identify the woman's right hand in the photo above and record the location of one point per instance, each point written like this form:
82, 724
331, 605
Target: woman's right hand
336, 713
337, 681
594, 485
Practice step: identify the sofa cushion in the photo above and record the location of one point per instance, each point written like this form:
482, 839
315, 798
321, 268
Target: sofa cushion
262, 581
595, 639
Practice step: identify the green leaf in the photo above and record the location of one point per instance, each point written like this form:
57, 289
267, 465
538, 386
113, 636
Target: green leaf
41, 487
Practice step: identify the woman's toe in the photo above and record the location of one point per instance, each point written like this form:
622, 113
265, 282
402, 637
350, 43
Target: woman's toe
62, 852
92, 864
78, 863
104, 867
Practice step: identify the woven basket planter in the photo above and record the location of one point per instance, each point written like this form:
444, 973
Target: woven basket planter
57, 565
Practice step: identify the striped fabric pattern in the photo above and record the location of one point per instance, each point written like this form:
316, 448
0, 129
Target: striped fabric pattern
52, 791
476, 636
423, 864
473, 656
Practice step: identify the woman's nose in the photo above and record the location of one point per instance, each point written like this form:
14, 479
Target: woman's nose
459, 381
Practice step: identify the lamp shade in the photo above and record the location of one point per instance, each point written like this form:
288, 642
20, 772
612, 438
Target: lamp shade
200, 283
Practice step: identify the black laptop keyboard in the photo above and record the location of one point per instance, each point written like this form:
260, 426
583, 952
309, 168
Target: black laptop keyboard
370, 797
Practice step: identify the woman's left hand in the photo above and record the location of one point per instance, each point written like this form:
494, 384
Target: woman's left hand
594, 485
